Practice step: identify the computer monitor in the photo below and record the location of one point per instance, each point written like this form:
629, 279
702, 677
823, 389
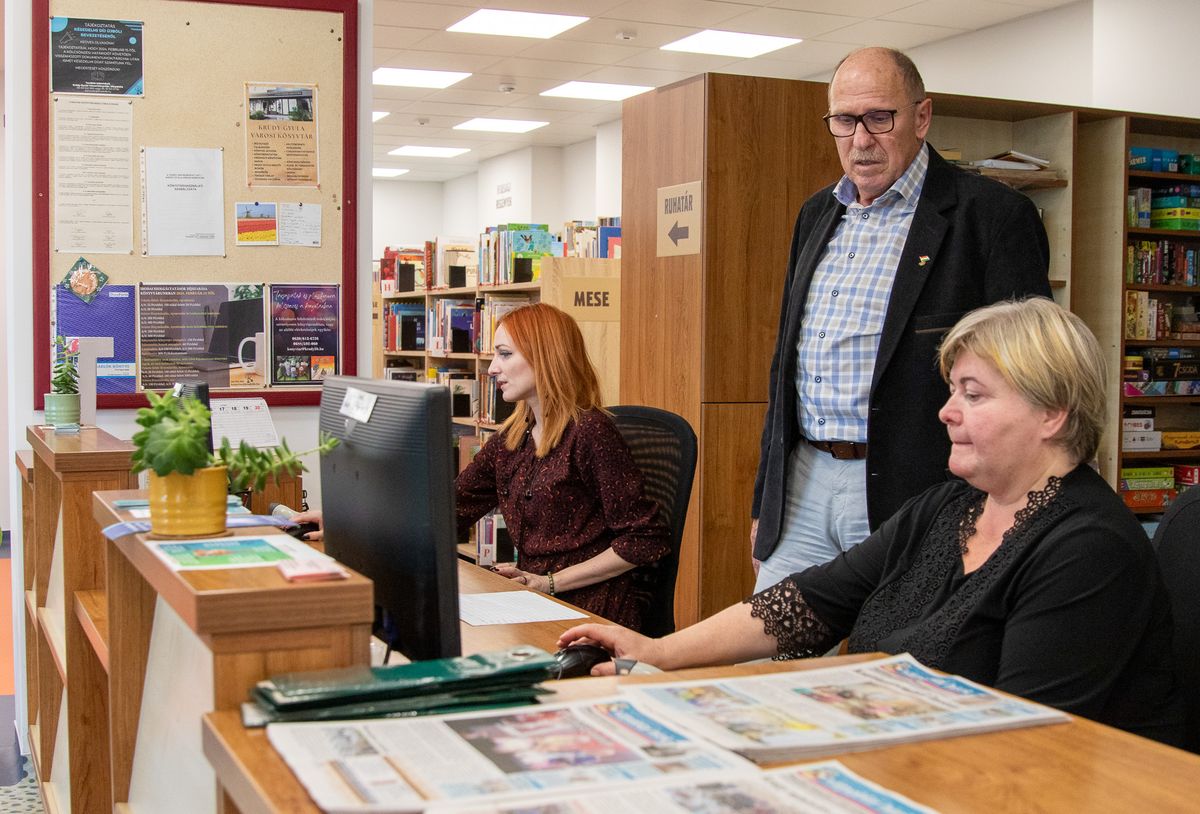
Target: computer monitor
388, 499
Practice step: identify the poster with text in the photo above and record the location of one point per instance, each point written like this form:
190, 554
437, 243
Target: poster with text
109, 312
281, 135
209, 332
304, 333
95, 56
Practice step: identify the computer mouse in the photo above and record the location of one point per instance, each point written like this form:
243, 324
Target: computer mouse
300, 529
578, 660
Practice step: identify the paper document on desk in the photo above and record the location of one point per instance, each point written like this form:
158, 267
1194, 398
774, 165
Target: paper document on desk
232, 552
484, 758
826, 787
512, 608
812, 713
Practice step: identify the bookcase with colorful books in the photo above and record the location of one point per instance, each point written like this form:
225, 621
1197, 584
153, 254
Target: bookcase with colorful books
1142, 184
441, 333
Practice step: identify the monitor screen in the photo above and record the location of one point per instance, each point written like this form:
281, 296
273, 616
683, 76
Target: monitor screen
388, 499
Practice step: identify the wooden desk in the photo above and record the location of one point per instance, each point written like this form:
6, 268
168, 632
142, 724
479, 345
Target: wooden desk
177, 644
1079, 766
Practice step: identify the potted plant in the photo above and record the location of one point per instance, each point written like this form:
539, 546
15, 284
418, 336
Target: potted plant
62, 402
188, 481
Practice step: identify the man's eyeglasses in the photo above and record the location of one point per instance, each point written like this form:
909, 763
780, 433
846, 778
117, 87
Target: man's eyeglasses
875, 122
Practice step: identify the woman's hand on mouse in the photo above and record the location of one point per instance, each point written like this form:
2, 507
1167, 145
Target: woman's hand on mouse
621, 642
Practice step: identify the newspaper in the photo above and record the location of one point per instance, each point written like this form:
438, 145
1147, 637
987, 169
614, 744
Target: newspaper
401, 765
814, 713
827, 787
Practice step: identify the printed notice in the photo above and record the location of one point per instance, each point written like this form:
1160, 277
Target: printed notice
198, 331
304, 333
93, 175
281, 135
299, 224
96, 56
111, 312
183, 197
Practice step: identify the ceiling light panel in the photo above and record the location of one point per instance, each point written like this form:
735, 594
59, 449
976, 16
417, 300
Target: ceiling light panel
376, 115
598, 91
730, 44
414, 78
416, 150
516, 24
500, 125
386, 172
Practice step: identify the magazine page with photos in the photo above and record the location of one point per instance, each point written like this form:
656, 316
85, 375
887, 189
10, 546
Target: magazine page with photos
400, 765
810, 713
827, 787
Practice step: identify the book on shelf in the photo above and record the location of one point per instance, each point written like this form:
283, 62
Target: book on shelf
493, 542
1005, 164
607, 234
495, 306
691, 733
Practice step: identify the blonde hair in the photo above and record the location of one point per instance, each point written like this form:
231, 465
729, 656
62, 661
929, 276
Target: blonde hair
565, 380
1047, 355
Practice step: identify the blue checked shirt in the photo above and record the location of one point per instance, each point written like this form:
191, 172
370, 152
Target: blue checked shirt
847, 301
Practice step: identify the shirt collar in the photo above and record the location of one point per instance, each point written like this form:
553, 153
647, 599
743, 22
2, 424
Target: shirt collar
907, 186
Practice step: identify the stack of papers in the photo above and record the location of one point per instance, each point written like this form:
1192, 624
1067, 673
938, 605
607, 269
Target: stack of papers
1012, 160
665, 747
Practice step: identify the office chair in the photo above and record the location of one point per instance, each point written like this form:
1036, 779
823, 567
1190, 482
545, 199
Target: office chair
1178, 547
664, 448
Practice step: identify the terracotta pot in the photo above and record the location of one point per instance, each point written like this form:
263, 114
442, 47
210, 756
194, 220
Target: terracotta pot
62, 408
189, 505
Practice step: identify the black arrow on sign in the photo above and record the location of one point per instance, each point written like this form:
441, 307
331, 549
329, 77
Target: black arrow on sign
677, 233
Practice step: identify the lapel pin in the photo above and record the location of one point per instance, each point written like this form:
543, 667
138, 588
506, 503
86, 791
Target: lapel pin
922, 260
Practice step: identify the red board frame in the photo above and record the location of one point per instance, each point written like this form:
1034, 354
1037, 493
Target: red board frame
40, 72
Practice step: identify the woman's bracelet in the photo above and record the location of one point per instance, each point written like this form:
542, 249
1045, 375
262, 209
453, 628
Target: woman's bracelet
550, 577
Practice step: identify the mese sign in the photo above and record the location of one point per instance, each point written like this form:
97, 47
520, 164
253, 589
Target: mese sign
592, 299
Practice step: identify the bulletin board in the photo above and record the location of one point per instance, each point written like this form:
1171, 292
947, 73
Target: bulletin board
222, 99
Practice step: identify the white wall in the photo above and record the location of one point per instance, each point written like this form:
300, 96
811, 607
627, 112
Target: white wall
460, 206
578, 182
1146, 56
405, 213
506, 188
608, 169
546, 187
1045, 57
6, 454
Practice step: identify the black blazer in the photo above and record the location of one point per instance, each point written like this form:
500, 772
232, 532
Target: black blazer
973, 241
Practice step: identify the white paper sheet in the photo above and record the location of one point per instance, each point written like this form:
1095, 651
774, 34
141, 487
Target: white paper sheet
93, 175
511, 608
243, 420
299, 224
183, 200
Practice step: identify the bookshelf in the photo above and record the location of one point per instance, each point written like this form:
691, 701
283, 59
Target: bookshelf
561, 282
1107, 239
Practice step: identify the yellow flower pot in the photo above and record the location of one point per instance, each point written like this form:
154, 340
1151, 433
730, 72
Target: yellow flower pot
189, 505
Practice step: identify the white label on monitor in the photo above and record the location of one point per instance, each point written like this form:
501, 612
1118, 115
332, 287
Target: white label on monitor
358, 405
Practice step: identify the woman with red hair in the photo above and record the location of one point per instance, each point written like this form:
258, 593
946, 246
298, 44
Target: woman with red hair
561, 475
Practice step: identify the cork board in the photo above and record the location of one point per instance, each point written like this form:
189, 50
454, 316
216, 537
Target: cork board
198, 58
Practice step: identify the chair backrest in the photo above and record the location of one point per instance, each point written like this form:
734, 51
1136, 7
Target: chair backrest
1177, 543
663, 446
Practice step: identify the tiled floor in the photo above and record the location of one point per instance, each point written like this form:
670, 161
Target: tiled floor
22, 797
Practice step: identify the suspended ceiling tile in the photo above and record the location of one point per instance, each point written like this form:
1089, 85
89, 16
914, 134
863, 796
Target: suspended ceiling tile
388, 36
782, 22
595, 53
540, 68
431, 59
779, 69
456, 43
646, 35
892, 34
700, 13
866, 9
677, 62
970, 14
436, 16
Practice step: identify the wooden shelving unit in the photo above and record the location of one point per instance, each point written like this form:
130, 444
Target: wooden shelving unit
560, 278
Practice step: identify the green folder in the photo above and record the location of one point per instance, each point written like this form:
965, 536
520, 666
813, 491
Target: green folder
255, 714
495, 672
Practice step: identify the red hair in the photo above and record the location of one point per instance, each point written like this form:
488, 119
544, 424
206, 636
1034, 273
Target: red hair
566, 382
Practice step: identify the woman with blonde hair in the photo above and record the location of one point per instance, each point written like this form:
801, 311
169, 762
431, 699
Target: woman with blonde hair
1026, 572
561, 475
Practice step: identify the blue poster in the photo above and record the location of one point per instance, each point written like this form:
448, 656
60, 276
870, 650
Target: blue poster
110, 312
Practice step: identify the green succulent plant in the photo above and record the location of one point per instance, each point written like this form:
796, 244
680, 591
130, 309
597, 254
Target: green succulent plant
174, 438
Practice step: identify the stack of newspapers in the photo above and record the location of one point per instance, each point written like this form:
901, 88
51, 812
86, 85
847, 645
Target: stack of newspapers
680, 746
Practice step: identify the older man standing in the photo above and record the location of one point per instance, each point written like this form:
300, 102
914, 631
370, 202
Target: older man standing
882, 264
